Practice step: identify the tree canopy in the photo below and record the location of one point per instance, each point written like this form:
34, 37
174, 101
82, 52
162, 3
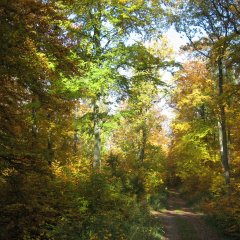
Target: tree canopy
84, 148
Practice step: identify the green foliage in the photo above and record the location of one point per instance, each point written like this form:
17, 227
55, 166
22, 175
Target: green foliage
83, 151
61, 69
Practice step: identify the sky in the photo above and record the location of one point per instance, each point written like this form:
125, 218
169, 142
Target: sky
175, 41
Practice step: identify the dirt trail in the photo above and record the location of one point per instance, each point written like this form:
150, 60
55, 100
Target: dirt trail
182, 223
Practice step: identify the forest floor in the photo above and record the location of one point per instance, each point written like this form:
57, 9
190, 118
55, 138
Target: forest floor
181, 222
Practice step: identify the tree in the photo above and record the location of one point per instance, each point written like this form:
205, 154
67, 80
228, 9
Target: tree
212, 28
105, 28
32, 54
35, 51
193, 151
63, 64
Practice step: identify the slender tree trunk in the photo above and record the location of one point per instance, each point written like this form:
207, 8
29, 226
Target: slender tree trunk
202, 112
34, 124
96, 121
75, 142
229, 144
97, 137
222, 125
50, 152
75, 135
143, 143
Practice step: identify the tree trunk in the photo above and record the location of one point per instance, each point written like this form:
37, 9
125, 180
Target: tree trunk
97, 137
229, 144
222, 125
34, 124
50, 152
143, 143
75, 142
96, 121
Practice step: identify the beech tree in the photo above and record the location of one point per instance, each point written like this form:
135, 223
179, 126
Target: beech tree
103, 30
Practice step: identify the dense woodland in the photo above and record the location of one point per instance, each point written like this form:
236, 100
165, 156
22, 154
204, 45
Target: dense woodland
84, 153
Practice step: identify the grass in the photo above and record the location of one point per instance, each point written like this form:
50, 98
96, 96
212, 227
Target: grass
148, 229
212, 222
158, 202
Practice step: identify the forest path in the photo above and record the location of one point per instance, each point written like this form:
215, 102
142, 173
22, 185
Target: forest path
183, 223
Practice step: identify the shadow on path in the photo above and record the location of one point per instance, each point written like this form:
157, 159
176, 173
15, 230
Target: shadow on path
182, 223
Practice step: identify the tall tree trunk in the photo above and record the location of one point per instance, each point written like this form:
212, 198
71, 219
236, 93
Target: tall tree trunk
96, 121
97, 137
222, 125
229, 144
